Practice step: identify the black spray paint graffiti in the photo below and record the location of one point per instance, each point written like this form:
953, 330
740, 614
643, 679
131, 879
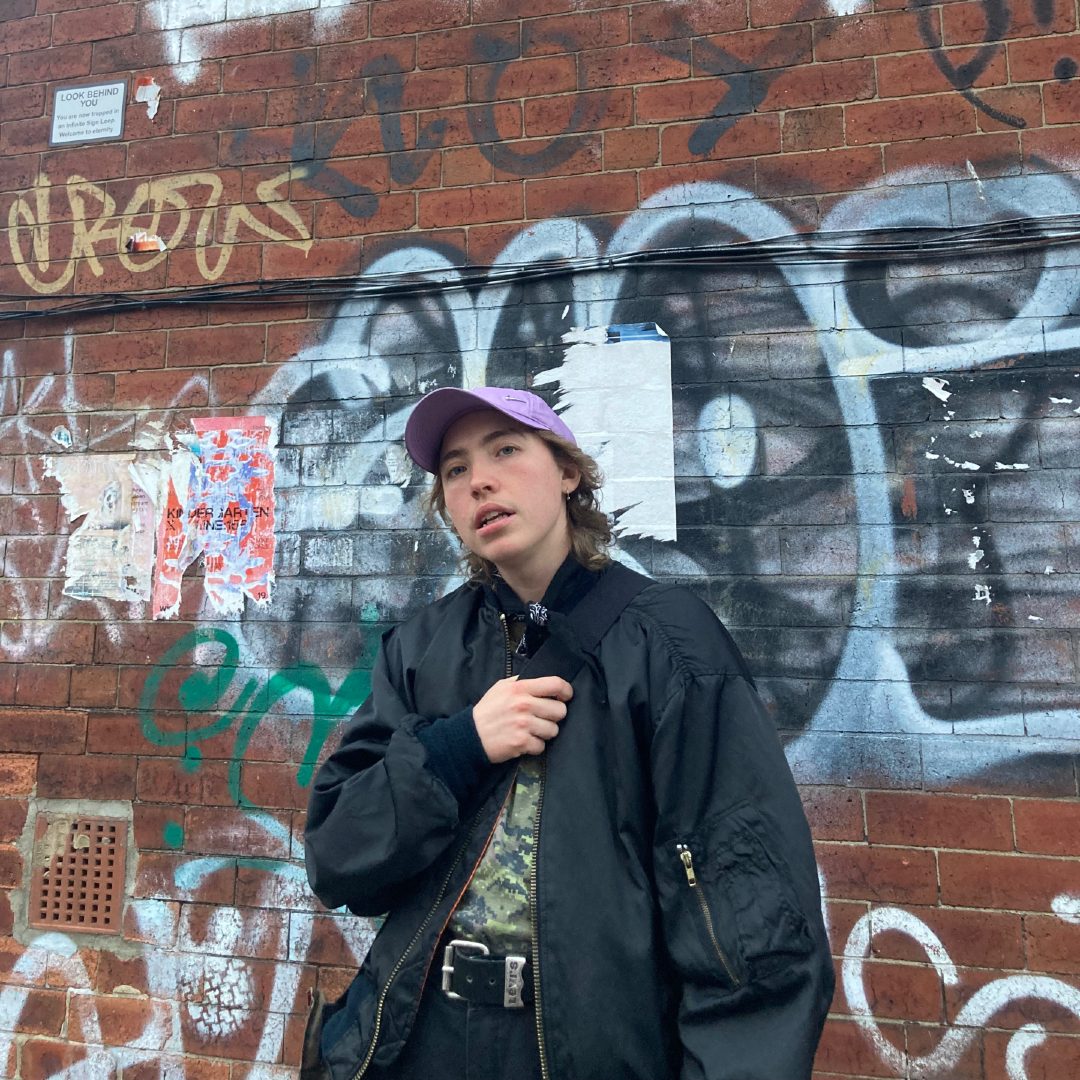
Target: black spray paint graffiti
997, 15
898, 566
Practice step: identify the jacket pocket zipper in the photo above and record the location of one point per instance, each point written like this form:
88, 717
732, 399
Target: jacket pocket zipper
686, 857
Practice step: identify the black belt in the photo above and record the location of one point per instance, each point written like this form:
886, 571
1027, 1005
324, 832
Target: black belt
469, 971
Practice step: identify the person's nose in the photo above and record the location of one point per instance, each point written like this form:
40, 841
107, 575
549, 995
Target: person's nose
482, 478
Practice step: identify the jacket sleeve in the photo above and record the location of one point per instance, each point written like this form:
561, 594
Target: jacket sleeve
738, 887
378, 815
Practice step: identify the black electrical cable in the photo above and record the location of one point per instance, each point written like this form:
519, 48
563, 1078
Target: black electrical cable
908, 243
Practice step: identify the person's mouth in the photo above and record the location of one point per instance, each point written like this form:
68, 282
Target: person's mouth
490, 518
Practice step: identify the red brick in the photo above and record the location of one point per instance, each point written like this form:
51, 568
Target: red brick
812, 129
43, 1013
43, 686
820, 84
22, 35
615, 193
1034, 61
923, 1040
465, 45
386, 213
112, 733
536, 77
868, 34
175, 389
1005, 882
752, 135
917, 73
11, 867
585, 111
1053, 945
661, 22
111, 22
738, 173
169, 782
1050, 149
412, 16
497, 10
918, 118
966, 23
346, 62
493, 202
886, 875
42, 1058
46, 65
124, 1021
272, 786
1016, 1011
156, 877
178, 153
1060, 102
421, 89
939, 821
220, 831
1052, 1057
845, 1050
119, 352
93, 686
756, 50
904, 992
630, 65
1050, 827
209, 345
22, 136
33, 730
22, 102
93, 777
1013, 104
676, 100
996, 154
972, 938
266, 71
635, 149
12, 811
173, 1065
834, 813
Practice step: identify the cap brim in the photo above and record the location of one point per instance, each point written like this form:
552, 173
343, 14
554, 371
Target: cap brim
431, 417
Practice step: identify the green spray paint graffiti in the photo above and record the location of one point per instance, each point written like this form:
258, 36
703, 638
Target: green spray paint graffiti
204, 690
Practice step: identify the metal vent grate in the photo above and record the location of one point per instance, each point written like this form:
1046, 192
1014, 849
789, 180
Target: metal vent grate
78, 873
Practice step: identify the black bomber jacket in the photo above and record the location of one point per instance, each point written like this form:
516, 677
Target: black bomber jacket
677, 930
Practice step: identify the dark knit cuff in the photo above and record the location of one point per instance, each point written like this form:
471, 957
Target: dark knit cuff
455, 753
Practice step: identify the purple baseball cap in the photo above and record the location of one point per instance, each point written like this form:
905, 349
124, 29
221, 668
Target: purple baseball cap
435, 412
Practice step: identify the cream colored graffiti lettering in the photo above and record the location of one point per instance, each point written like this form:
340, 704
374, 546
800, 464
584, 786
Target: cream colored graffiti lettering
48, 239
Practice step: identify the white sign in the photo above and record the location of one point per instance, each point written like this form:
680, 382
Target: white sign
87, 113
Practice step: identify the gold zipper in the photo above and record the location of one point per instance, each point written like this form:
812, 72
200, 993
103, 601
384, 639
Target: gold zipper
687, 859
535, 923
442, 891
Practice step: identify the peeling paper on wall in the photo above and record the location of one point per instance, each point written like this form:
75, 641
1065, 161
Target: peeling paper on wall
148, 92
937, 387
615, 394
217, 503
110, 555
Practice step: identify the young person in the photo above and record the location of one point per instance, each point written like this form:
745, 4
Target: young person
604, 873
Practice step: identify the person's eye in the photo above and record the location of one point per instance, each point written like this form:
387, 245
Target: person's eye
452, 471
507, 450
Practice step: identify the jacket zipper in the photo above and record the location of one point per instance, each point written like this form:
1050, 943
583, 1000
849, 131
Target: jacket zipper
533, 903
535, 922
441, 894
687, 859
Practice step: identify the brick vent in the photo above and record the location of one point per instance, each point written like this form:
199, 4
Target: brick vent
77, 873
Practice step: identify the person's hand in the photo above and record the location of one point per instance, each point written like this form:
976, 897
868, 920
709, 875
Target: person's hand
518, 716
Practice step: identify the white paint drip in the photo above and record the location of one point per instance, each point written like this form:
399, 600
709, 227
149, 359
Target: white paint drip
975, 434
1019, 467
1049, 570
975, 557
978, 183
1067, 906
982, 592
1061, 400
1035, 618
969, 495
970, 466
937, 387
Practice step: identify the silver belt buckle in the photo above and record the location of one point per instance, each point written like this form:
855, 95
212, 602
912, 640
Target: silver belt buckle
448, 962
514, 983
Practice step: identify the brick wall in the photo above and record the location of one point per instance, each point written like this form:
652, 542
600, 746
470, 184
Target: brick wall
877, 473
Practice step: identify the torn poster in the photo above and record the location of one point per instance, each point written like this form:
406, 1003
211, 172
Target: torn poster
111, 554
218, 504
615, 394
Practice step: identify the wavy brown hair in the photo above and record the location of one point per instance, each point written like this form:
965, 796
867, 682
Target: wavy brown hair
590, 528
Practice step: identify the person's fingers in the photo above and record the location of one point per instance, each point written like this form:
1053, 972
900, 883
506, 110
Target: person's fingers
548, 686
544, 729
535, 746
547, 709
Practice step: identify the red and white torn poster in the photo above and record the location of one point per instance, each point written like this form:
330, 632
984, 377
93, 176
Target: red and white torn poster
218, 504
